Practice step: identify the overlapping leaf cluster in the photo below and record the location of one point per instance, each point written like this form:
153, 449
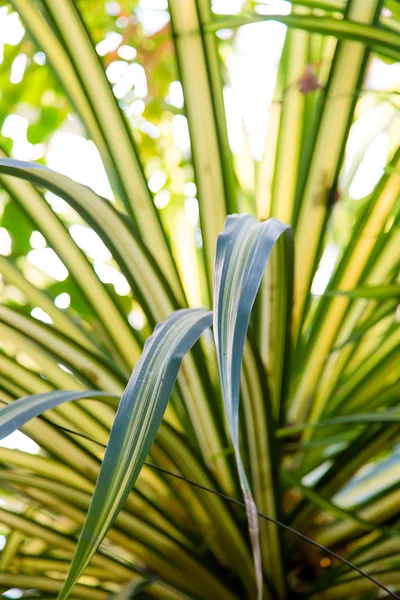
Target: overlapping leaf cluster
317, 378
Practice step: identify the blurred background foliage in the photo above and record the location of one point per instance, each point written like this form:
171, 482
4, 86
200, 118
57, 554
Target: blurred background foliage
134, 43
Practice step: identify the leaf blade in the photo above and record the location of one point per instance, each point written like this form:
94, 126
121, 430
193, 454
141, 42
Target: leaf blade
16, 414
379, 292
138, 418
243, 249
59, 30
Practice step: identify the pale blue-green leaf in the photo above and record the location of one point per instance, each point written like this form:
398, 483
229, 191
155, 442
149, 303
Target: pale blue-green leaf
243, 249
16, 414
138, 419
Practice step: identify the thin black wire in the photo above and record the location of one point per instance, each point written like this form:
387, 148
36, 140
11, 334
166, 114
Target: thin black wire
260, 514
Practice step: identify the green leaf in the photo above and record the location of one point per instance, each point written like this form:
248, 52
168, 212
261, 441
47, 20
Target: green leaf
212, 159
284, 147
388, 416
328, 506
136, 424
58, 29
142, 273
116, 232
119, 334
333, 322
45, 584
387, 42
243, 249
17, 325
315, 193
19, 227
36, 297
50, 119
62, 541
14, 540
379, 292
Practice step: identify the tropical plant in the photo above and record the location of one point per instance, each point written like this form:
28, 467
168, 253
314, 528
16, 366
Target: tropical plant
290, 412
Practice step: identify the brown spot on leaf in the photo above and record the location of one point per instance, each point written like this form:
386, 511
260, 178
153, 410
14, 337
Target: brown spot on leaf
309, 82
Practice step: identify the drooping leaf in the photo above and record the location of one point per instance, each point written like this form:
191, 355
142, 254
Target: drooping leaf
243, 249
35, 205
136, 424
16, 414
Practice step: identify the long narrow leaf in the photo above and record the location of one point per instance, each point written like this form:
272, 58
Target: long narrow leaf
147, 282
114, 327
389, 416
198, 65
21, 411
112, 227
61, 541
58, 29
387, 42
316, 193
102, 373
380, 292
138, 418
243, 249
36, 297
262, 451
